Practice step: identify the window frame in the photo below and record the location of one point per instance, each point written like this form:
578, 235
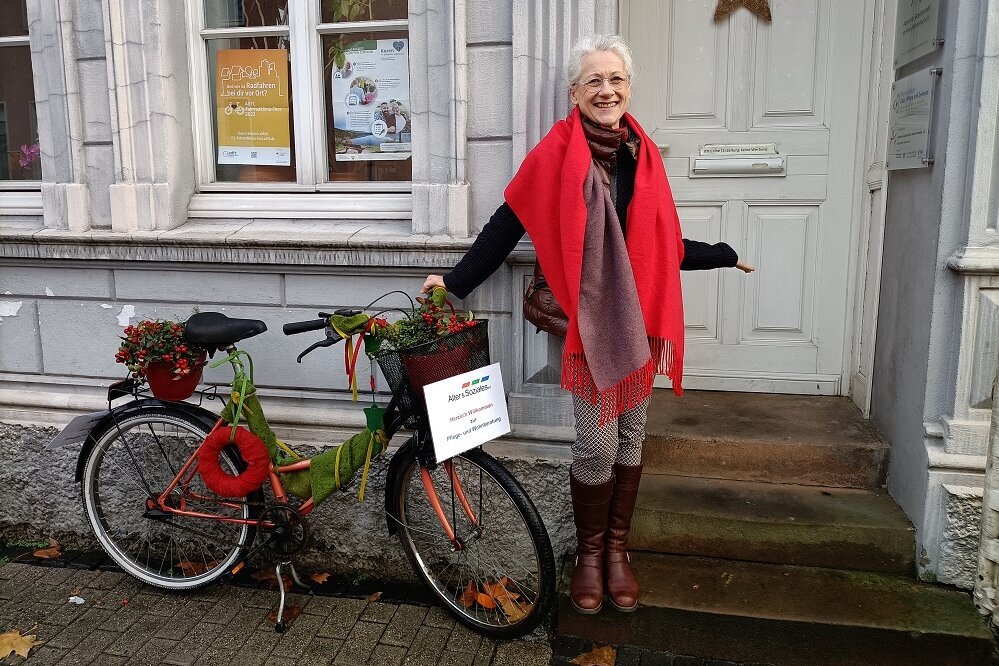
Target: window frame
26, 204
305, 33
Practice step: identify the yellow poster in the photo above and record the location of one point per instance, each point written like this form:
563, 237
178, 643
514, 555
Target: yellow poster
251, 100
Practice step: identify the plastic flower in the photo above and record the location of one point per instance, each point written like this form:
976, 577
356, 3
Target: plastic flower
29, 154
157, 342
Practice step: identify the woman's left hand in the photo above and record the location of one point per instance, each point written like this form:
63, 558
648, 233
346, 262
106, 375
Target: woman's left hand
744, 267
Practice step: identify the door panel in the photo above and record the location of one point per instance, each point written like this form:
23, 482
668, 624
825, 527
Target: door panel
796, 83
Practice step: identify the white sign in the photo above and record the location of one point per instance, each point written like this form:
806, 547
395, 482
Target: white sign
721, 149
909, 123
915, 30
371, 110
466, 410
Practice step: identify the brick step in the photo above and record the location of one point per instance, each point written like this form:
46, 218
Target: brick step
717, 609
841, 528
807, 440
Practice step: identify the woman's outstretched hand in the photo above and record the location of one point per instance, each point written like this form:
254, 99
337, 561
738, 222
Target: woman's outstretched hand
741, 265
432, 281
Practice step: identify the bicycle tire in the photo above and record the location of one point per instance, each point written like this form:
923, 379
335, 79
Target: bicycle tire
114, 520
545, 560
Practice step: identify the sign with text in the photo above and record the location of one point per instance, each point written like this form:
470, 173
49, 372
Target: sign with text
915, 30
466, 410
251, 100
909, 122
371, 110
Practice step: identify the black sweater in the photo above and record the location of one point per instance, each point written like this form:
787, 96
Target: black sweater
501, 234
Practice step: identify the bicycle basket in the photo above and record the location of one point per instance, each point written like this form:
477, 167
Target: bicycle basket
409, 370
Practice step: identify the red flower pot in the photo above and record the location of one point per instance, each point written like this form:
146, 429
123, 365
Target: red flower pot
167, 386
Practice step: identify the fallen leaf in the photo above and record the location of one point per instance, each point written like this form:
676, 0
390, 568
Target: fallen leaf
290, 613
320, 578
485, 601
600, 655
18, 643
467, 597
53, 550
375, 597
76, 600
513, 611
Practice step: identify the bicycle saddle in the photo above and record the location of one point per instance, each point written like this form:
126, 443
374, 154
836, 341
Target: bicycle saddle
214, 329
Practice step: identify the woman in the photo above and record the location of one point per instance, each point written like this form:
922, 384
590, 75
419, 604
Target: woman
594, 198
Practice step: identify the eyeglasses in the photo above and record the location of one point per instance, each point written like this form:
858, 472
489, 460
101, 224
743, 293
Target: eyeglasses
594, 84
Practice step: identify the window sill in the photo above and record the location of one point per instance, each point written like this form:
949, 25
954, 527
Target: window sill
328, 206
327, 242
20, 202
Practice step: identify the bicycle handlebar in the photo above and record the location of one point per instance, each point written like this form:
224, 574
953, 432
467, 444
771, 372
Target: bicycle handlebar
296, 327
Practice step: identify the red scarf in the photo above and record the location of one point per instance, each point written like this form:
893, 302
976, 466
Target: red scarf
547, 197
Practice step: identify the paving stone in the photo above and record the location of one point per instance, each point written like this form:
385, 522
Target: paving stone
132, 640
176, 627
404, 625
242, 626
438, 617
107, 580
110, 660
156, 604
222, 612
77, 631
66, 613
387, 655
215, 657
46, 656
198, 640
54, 577
300, 632
522, 654
463, 640
88, 650
257, 646
263, 599
342, 618
484, 657
377, 611
449, 658
121, 620
427, 646
359, 644
320, 605
151, 652
321, 651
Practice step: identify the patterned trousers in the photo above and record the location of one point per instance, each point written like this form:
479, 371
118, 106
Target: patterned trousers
597, 448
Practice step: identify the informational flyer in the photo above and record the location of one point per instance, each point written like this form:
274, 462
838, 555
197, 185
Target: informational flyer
466, 410
251, 100
909, 122
371, 111
915, 30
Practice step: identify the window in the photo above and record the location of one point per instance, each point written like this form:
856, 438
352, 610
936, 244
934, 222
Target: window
20, 157
302, 95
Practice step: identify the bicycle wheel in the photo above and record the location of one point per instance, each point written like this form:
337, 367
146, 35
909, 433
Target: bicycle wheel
501, 581
135, 460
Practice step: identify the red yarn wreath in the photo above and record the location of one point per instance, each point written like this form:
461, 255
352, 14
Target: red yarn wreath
251, 448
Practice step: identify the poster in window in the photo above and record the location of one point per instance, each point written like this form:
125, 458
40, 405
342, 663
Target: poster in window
371, 112
251, 99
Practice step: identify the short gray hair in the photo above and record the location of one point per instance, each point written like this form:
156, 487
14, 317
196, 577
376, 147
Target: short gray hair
592, 44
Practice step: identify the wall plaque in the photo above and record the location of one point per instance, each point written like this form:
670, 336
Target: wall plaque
916, 30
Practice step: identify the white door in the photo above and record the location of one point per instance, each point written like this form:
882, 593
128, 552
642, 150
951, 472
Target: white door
795, 82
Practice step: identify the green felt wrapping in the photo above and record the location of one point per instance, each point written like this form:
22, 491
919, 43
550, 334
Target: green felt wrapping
321, 480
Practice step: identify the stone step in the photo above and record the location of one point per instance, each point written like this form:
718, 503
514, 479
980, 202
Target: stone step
843, 528
809, 440
777, 614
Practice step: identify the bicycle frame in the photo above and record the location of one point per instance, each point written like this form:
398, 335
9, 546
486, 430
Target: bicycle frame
183, 478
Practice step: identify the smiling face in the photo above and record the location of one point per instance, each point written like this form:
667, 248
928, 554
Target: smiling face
606, 105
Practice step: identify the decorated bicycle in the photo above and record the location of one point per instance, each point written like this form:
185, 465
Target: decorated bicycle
180, 496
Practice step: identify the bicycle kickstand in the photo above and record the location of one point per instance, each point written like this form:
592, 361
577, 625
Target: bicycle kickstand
281, 625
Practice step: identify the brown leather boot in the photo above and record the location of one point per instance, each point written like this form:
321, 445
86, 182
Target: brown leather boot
589, 511
619, 578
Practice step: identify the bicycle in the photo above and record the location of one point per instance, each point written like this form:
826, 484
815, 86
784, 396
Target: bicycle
469, 530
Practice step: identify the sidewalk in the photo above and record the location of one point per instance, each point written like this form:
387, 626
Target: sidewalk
123, 621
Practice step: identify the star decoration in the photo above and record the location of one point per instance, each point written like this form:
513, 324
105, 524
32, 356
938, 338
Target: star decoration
759, 7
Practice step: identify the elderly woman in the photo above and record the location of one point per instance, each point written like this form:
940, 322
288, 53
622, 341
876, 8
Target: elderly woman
594, 198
